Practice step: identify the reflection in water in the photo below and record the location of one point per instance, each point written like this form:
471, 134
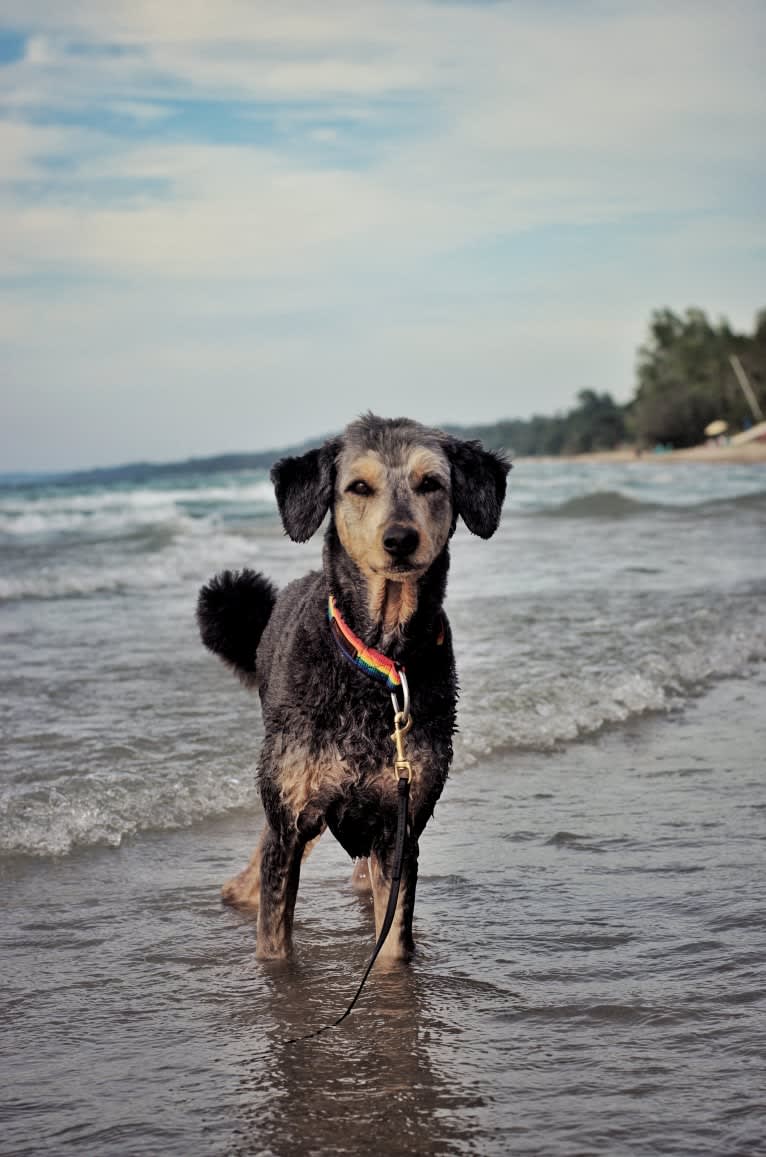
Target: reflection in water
367, 1085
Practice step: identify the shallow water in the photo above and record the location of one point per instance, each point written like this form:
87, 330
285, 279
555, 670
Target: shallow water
605, 593
591, 915
589, 976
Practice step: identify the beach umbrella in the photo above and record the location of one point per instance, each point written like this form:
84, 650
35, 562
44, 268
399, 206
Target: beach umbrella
717, 427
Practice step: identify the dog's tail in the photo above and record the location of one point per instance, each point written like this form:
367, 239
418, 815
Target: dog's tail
232, 611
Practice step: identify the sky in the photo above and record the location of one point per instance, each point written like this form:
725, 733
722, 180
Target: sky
231, 226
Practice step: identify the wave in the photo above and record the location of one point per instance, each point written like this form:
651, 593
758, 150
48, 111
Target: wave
90, 812
114, 521
115, 512
36, 512
615, 504
660, 665
601, 504
104, 810
174, 561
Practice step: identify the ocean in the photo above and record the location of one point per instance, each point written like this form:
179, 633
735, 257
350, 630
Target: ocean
591, 915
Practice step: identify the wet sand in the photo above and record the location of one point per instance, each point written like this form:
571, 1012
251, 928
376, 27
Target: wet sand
591, 930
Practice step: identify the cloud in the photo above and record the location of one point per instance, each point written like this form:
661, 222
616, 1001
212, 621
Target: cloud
420, 194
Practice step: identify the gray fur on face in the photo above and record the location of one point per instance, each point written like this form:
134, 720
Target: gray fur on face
327, 754
305, 486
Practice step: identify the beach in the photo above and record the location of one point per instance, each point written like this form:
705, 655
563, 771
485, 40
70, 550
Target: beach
747, 454
590, 920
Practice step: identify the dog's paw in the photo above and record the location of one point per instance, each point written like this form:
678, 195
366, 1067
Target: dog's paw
242, 891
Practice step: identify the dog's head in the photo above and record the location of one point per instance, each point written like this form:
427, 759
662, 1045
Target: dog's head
396, 489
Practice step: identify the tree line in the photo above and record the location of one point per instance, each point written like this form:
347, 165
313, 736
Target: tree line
685, 381
597, 422
686, 378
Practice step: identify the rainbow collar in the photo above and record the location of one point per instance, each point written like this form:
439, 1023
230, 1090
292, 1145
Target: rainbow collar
373, 663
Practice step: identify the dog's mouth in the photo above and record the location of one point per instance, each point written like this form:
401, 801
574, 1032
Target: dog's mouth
400, 568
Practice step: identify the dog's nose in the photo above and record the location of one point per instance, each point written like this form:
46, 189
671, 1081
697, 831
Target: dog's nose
401, 540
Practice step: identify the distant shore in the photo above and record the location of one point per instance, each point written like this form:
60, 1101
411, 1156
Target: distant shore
753, 453
742, 453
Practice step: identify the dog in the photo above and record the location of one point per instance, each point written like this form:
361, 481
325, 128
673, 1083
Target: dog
394, 490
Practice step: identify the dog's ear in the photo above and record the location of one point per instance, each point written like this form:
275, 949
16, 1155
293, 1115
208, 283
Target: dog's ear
478, 485
304, 487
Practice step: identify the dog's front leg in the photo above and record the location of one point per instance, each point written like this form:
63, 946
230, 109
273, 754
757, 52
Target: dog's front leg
399, 944
281, 854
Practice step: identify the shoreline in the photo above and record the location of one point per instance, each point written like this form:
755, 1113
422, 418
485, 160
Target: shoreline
751, 454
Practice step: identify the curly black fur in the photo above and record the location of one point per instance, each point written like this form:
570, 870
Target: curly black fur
478, 485
327, 750
232, 611
304, 489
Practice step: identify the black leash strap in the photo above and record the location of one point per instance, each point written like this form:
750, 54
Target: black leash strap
403, 790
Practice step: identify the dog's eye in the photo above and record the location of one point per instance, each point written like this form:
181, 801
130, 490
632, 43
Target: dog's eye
429, 484
360, 487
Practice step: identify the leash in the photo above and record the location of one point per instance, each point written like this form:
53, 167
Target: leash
403, 789
403, 776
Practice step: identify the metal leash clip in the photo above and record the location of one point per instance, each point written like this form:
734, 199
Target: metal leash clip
402, 726
402, 765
